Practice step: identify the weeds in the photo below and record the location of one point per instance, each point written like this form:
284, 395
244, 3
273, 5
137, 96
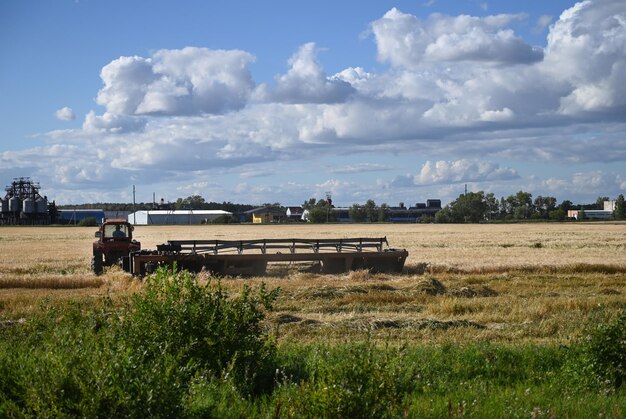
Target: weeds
600, 359
140, 359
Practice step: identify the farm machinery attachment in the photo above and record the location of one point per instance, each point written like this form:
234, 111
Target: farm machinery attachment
251, 257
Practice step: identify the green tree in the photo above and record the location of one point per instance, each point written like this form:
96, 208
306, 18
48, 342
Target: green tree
370, 211
357, 213
566, 205
191, 202
620, 208
467, 208
524, 204
321, 212
493, 208
505, 207
275, 205
309, 204
600, 202
383, 213
558, 214
544, 205
444, 216
426, 219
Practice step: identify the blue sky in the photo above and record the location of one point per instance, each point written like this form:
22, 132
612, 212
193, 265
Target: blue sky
281, 101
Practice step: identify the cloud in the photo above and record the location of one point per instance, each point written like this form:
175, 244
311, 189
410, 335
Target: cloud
196, 112
585, 185
405, 41
113, 123
188, 81
586, 50
65, 114
444, 172
542, 23
306, 82
360, 168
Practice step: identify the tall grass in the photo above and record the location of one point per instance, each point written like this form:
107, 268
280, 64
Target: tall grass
181, 348
138, 359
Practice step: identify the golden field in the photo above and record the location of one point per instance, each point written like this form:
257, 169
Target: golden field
503, 282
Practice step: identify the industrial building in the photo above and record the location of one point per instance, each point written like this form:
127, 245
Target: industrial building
175, 217
265, 215
399, 214
604, 214
294, 213
75, 216
590, 214
24, 205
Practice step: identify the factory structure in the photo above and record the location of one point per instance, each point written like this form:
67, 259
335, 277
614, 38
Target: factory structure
175, 217
74, 216
399, 214
603, 214
23, 204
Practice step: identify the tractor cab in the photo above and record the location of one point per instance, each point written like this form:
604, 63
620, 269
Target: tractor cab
115, 230
115, 243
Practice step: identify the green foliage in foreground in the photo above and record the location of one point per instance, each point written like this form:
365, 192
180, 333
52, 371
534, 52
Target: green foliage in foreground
185, 350
139, 360
88, 222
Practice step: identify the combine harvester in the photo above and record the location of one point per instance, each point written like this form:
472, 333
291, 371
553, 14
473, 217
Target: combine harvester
250, 257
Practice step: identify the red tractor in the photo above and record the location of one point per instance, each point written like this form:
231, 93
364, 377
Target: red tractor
115, 243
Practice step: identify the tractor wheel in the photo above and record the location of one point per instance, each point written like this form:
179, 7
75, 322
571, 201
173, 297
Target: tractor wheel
96, 263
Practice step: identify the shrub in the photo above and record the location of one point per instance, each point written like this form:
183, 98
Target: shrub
138, 360
203, 328
88, 222
355, 380
602, 356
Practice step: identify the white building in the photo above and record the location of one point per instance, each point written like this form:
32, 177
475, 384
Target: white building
169, 217
591, 214
609, 205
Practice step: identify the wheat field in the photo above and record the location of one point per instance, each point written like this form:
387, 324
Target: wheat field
539, 283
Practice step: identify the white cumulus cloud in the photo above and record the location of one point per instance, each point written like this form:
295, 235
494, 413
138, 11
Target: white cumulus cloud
455, 171
65, 114
464, 87
306, 82
189, 81
404, 40
586, 50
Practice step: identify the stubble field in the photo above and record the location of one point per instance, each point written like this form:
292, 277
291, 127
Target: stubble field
519, 283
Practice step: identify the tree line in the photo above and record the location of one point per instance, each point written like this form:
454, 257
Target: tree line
474, 207
319, 211
193, 202
471, 207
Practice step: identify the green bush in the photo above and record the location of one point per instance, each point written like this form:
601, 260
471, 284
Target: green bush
353, 380
203, 328
601, 356
88, 222
139, 360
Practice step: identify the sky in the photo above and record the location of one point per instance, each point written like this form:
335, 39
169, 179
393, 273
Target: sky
281, 101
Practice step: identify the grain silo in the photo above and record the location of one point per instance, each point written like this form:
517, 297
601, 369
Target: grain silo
23, 204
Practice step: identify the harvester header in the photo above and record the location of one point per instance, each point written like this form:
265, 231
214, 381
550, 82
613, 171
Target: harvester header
250, 257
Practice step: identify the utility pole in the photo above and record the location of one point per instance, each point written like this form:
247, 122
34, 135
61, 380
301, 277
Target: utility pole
134, 213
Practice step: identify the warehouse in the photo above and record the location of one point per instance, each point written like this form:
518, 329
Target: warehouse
75, 216
169, 217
